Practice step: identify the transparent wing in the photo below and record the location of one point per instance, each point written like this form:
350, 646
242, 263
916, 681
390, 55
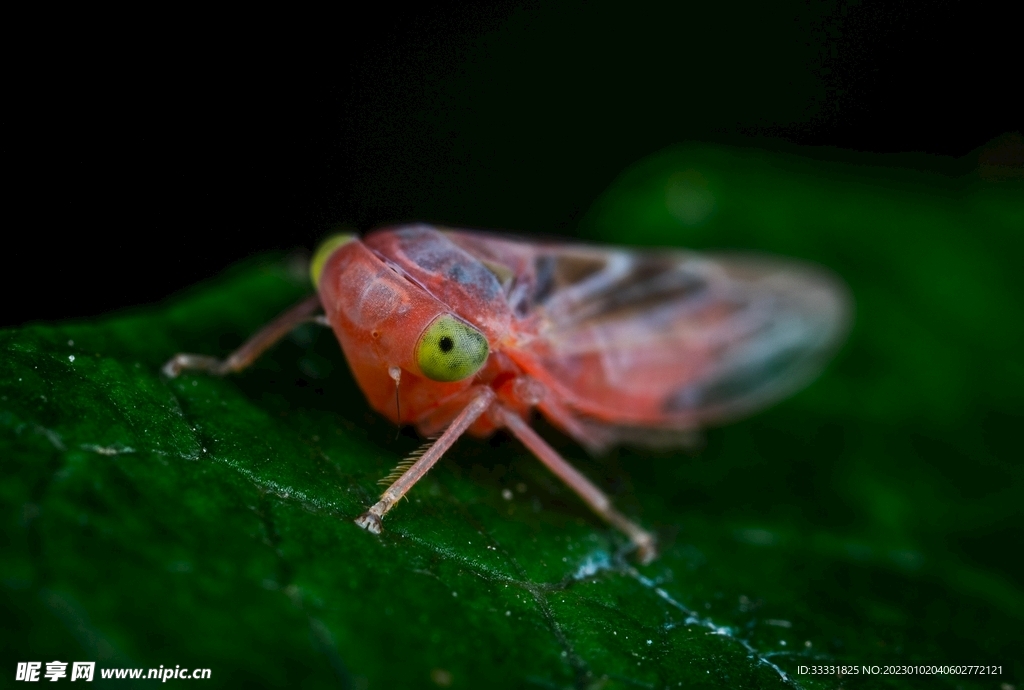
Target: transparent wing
649, 346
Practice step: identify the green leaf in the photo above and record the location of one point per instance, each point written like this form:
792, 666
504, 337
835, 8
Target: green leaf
873, 518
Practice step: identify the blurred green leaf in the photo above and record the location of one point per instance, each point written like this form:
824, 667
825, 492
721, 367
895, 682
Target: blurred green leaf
873, 518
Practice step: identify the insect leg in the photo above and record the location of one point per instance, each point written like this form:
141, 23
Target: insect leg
593, 440
370, 520
251, 349
591, 495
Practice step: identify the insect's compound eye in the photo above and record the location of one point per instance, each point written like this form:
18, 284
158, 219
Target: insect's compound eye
323, 253
451, 350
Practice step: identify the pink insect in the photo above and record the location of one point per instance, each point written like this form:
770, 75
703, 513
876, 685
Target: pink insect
456, 331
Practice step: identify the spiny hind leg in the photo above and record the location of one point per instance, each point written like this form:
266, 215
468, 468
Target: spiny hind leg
251, 349
371, 519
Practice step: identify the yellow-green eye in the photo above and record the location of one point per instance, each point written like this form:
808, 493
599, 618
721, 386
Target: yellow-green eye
323, 253
451, 350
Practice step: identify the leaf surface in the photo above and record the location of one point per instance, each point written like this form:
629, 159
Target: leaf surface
873, 518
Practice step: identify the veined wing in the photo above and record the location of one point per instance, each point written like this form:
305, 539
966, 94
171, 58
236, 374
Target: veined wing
630, 344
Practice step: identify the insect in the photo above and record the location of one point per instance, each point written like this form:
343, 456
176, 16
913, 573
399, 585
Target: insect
456, 331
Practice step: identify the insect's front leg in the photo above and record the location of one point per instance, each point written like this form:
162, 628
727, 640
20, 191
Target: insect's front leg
252, 348
371, 519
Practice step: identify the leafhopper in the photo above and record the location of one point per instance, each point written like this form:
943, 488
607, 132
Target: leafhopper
455, 331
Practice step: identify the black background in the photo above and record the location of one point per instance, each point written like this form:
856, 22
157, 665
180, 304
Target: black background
143, 160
